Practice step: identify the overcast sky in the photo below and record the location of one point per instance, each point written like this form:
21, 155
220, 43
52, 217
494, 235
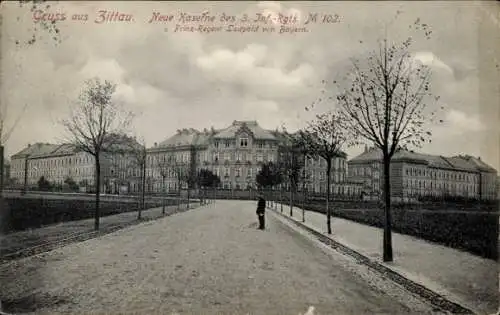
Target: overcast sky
181, 80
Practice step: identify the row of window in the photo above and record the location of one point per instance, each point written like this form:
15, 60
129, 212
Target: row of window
334, 176
59, 178
336, 190
362, 171
445, 185
242, 143
418, 193
320, 162
49, 163
61, 172
439, 174
238, 172
216, 156
179, 157
124, 173
238, 156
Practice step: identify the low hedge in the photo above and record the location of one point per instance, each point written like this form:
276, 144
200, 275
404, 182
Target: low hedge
25, 213
474, 232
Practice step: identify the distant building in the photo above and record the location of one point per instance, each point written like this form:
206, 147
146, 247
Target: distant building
498, 187
415, 175
59, 162
235, 154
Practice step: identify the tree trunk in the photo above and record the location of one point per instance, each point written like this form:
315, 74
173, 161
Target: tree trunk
328, 212
202, 195
97, 191
164, 195
2, 170
387, 196
143, 192
25, 176
303, 201
3, 212
276, 200
188, 195
179, 193
291, 198
281, 197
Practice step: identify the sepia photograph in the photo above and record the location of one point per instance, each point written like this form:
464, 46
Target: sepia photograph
249, 157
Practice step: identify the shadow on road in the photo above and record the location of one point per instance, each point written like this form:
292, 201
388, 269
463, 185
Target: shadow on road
32, 303
253, 225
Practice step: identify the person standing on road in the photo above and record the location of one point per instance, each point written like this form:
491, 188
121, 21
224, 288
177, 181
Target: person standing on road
261, 209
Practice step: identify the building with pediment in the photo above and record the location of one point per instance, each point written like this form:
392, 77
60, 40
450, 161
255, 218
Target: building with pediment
236, 154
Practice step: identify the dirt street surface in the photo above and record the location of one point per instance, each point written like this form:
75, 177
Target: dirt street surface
210, 260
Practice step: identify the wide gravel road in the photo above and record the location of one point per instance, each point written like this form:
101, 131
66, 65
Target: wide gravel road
211, 260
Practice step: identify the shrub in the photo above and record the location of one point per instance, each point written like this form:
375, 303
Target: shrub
472, 231
25, 213
43, 184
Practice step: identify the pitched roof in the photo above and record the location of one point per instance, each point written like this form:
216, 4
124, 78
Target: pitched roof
122, 143
40, 150
190, 136
460, 162
185, 137
257, 131
36, 150
479, 163
62, 149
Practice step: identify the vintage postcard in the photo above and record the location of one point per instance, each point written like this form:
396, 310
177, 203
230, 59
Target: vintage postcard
272, 157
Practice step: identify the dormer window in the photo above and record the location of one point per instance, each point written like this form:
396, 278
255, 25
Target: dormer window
243, 142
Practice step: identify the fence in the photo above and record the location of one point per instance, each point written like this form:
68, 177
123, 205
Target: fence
26, 212
471, 229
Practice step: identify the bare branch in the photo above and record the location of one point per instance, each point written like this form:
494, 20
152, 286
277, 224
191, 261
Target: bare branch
5, 134
386, 101
96, 120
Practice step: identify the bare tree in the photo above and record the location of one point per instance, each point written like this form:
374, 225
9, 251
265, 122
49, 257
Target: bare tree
138, 154
325, 137
93, 125
181, 173
205, 180
166, 166
291, 162
191, 172
305, 179
386, 104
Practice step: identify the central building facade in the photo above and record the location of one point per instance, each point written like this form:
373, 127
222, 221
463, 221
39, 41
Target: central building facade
235, 154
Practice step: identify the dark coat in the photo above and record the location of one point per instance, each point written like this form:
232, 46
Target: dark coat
261, 206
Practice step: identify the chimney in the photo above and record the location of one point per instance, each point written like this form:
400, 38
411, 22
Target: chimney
479, 158
29, 145
156, 144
